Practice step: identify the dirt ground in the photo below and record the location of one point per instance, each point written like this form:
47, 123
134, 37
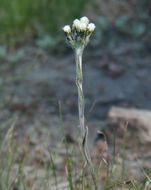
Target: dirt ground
36, 86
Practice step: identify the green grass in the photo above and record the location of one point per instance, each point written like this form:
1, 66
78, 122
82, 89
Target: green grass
24, 18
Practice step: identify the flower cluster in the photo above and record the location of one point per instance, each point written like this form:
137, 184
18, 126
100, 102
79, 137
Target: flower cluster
79, 33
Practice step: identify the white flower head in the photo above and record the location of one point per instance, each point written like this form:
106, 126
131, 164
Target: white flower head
76, 24
67, 29
91, 27
83, 27
84, 20
78, 34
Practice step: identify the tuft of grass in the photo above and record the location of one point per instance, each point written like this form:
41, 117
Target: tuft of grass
13, 175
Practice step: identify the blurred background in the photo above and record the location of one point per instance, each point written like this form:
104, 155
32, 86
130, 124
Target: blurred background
37, 67
23, 21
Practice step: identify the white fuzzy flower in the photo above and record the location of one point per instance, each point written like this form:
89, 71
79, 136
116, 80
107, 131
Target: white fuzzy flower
78, 34
84, 20
91, 27
83, 27
76, 24
67, 29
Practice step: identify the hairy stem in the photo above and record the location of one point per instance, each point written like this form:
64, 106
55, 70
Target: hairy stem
79, 83
81, 106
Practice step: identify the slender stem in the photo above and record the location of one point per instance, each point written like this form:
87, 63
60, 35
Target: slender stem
81, 106
79, 83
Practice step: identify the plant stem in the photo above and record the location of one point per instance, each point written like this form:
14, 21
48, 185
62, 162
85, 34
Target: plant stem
81, 106
79, 83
